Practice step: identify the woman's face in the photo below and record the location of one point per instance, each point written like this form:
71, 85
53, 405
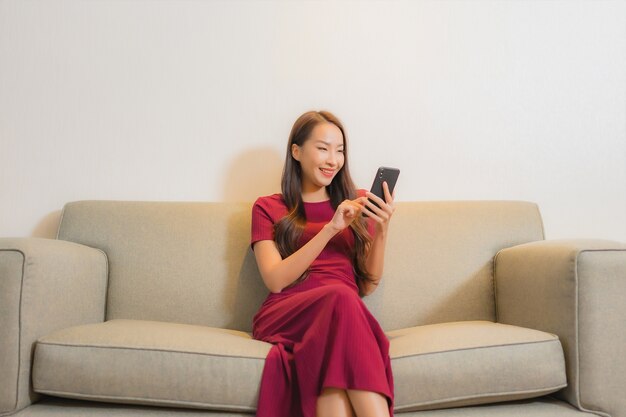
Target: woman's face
321, 156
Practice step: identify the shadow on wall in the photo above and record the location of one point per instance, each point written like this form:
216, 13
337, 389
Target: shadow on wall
254, 173
47, 227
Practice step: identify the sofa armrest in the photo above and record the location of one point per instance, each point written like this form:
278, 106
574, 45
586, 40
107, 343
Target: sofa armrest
575, 289
45, 285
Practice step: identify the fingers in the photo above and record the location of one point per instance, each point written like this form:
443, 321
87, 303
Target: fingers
388, 196
384, 205
354, 204
371, 215
377, 213
351, 208
374, 197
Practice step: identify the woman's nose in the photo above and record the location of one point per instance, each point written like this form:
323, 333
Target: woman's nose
332, 159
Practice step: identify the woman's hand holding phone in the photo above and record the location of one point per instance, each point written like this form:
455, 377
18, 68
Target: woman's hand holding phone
379, 201
383, 212
372, 204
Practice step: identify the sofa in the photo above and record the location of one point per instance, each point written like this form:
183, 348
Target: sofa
145, 308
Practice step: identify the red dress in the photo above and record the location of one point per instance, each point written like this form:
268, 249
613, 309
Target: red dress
322, 332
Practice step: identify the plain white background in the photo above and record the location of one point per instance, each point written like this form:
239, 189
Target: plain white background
194, 100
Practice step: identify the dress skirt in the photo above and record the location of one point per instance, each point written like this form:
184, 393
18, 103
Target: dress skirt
323, 336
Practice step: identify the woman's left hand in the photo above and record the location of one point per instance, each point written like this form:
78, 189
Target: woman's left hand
383, 213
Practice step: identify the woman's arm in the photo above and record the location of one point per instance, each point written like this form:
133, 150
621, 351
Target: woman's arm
376, 256
278, 273
375, 261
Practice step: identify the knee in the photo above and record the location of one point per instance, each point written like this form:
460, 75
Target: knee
338, 298
343, 300
347, 295
342, 291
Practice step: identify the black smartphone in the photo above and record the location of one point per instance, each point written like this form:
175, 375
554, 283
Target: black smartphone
384, 174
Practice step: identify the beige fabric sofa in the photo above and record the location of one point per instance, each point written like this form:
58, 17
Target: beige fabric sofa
145, 308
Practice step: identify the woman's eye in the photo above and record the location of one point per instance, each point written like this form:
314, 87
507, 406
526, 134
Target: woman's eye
322, 149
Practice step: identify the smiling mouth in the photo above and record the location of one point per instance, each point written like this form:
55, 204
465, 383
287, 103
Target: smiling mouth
327, 173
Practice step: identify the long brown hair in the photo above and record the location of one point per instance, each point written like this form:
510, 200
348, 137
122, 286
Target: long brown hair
288, 230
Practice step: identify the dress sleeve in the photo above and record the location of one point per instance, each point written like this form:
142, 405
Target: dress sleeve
262, 223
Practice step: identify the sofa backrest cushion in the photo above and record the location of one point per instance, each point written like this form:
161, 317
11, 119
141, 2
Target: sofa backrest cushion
190, 262
439, 259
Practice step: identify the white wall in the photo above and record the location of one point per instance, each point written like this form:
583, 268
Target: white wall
194, 100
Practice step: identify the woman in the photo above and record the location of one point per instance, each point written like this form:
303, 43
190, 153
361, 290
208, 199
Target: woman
318, 256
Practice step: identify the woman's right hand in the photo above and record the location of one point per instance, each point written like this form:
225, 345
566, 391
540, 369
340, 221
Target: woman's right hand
345, 214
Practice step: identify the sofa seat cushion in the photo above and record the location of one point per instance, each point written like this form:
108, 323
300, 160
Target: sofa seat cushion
472, 362
179, 365
153, 363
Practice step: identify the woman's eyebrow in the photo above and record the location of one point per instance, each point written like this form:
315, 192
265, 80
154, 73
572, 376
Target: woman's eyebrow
327, 143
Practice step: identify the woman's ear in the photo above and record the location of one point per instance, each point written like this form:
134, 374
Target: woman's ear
295, 152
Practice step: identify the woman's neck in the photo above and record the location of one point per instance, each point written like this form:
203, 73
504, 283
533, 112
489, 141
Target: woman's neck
314, 196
